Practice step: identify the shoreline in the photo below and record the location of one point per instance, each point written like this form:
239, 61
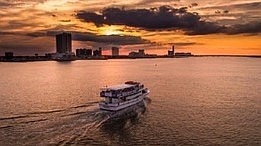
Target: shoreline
44, 58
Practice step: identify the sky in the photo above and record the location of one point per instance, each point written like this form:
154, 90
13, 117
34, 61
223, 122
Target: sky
198, 26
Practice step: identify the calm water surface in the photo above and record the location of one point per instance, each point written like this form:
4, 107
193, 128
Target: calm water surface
193, 101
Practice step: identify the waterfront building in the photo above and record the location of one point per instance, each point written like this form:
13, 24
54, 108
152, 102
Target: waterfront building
100, 51
83, 52
97, 52
88, 52
183, 54
64, 43
141, 52
133, 54
9, 55
115, 51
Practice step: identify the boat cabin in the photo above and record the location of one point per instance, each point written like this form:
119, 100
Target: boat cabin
122, 96
122, 90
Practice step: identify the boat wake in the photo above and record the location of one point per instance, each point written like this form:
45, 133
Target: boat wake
62, 126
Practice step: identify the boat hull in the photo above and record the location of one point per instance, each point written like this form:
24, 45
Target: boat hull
123, 105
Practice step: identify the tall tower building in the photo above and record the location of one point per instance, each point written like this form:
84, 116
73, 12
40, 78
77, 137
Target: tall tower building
64, 43
115, 51
100, 51
173, 50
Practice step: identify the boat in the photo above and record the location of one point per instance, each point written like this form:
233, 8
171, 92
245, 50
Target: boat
121, 96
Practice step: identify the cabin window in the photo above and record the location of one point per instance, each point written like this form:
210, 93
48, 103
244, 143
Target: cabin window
113, 93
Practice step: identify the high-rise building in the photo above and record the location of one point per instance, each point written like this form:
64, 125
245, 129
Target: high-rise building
97, 52
64, 43
100, 51
115, 51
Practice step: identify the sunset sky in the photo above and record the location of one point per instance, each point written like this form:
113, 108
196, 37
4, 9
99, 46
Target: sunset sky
197, 26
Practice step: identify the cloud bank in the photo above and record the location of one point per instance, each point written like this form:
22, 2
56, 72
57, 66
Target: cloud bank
164, 18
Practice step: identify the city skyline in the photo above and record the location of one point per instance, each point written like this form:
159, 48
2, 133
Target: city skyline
200, 27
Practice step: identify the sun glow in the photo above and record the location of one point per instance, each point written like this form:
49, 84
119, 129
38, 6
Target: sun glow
110, 30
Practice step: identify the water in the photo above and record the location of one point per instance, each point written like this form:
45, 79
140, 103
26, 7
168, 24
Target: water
193, 101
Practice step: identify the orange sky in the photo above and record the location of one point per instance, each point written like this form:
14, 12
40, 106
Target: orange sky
25, 26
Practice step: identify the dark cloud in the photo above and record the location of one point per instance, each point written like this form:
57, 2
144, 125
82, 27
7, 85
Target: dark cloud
164, 18
18, 3
204, 28
194, 4
65, 20
4, 4
251, 27
109, 39
217, 11
7, 33
91, 37
244, 12
37, 34
183, 43
244, 6
222, 11
226, 11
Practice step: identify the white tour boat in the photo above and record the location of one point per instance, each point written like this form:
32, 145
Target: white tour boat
121, 96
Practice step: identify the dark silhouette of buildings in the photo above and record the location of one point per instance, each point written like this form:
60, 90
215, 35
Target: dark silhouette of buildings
183, 54
82, 53
97, 52
64, 43
114, 51
171, 53
100, 51
9, 55
64, 53
141, 54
